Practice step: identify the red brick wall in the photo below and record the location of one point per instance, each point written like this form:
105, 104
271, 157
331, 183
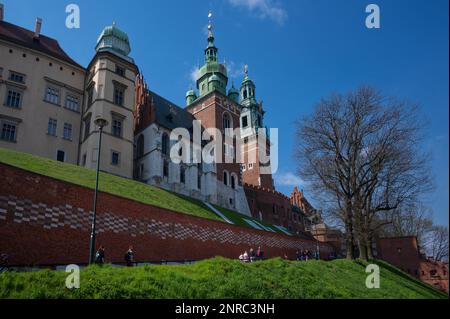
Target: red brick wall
45, 221
262, 201
403, 252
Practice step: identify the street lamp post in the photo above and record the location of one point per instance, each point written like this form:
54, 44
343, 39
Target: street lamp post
101, 123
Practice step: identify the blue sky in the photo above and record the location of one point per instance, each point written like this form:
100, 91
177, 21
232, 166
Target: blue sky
297, 51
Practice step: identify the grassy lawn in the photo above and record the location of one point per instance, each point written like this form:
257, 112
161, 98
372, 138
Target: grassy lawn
111, 184
220, 278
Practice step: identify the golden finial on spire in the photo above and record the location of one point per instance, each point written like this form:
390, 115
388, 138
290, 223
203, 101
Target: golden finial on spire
210, 35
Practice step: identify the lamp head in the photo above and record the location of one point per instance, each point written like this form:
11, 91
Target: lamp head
100, 122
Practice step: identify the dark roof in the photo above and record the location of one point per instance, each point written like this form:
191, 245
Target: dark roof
23, 37
169, 115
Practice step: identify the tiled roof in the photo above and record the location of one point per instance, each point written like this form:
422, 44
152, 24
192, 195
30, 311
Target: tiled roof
170, 115
23, 37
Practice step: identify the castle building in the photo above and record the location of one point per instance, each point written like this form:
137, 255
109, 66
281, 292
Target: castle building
41, 94
110, 94
50, 105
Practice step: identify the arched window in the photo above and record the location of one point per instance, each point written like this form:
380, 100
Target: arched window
225, 177
182, 174
244, 94
166, 168
165, 144
233, 181
140, 146
227, 121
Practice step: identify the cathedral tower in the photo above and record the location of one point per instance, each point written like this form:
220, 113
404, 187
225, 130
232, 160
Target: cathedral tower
219, 110
110, 94
251, 120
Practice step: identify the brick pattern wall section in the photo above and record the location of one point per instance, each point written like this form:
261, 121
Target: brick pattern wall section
403, 252
44, 221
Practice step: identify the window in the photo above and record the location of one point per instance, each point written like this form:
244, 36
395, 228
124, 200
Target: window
225, 178
244, 95
250, 165
90, 96
117, 126
52, 124
233, 182
16, 77
182, 175
87, 126
115, 158
60, 156
52, 95
67, 133
140, 146
120, 71
199, 181
118, 94
72, 103
226, 121
9, 132
166, 168
165, 144
83, 160
244, 167
245, 121
14, 98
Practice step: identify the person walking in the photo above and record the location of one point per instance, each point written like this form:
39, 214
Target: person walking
129, 257
100, 256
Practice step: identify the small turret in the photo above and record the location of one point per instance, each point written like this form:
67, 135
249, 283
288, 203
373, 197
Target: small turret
247, 90
191, 96
233, 94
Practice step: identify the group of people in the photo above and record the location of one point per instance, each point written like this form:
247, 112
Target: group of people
252, 255
129, 256
303, 255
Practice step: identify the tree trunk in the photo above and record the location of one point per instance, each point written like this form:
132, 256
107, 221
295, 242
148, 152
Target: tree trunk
369, 247
349, 231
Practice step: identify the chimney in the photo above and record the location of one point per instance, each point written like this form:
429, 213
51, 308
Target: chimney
37, 28
1, 11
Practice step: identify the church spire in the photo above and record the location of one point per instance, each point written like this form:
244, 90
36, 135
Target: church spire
211, 50
247, 90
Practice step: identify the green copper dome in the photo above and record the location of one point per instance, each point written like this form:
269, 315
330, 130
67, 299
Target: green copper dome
113, 39
233, 94
191, 92
233, 90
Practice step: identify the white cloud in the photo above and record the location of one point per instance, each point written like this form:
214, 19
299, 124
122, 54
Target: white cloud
263, 8
289, 179
194, 74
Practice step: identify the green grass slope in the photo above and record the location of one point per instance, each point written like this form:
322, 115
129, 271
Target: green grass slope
111, 184
220, 278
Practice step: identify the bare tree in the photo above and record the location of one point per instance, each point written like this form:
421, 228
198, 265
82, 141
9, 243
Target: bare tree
438, 243
413, 219
362, 150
